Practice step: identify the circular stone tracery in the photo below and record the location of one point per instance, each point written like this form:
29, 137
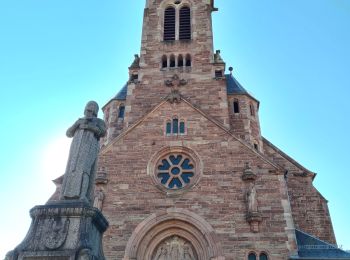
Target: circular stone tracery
175, 171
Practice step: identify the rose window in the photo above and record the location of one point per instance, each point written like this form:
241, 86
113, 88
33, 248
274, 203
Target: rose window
175, 171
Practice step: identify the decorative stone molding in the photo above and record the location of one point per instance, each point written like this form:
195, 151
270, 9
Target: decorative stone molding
136, 63
101, 178
63, 230
253, 215
248, 174
149, 235
175, 81
217, 57
174, 96
254, 218
56, 233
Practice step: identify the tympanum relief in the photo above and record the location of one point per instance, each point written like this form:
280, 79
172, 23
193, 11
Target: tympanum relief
175, 248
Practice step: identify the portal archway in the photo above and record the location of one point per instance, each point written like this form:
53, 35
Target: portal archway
173, 228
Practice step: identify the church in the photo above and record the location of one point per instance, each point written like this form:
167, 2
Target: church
183, 170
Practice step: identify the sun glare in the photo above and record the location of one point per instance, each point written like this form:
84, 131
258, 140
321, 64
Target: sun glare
55, 156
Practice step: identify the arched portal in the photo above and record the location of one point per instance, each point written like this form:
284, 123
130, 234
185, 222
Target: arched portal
174, 232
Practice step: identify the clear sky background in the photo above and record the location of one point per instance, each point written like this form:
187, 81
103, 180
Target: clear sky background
294, 56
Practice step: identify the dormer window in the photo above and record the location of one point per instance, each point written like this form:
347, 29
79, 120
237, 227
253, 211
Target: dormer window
178, 19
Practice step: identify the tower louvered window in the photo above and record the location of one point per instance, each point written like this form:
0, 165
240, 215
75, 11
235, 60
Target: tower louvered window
169, 24
185, 24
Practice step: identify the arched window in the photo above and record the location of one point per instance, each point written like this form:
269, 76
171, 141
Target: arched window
263, 256
168, 128
235, 106
175, 126
121, 111
251, 256
182, 127
185, 23
188, 60
164, 61
169, 24
180, 61
172, 61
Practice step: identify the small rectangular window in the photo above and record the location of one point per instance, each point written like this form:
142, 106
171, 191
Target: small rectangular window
134, 77
252, 110
218, 73
236, 107
121, 112
256, 147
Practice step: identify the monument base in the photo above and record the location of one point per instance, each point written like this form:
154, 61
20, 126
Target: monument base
63, 230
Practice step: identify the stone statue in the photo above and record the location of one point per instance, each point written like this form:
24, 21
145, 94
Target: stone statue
98, 201
136, 62
217, 57
175, 248
251, 199
187, 252
81, 167
162, 253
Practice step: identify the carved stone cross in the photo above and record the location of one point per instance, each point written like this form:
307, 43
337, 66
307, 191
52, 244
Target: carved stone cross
174, 96
175, 81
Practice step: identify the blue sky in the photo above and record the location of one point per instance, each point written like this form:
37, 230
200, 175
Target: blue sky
56, 55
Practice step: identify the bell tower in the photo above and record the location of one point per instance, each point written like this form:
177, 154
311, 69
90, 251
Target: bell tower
177, 52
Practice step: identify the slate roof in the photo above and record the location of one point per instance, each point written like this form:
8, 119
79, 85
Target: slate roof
122, 93
312, 248
233, 87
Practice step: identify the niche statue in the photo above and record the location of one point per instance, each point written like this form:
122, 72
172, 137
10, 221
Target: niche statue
79, 177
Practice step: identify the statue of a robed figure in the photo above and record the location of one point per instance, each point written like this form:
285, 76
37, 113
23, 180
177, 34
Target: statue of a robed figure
78, 181
68, 227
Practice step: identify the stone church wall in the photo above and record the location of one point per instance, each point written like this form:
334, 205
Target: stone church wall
309, 207
218, 197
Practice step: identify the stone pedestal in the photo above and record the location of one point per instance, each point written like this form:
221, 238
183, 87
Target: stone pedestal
65, 230
254, 218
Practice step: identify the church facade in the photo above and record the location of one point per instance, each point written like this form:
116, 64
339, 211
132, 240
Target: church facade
184, 172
